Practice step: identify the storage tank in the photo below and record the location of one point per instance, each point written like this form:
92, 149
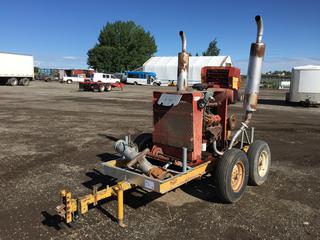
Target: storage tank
305, 84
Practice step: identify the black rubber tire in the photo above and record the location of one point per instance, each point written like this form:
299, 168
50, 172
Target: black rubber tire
13, 82
101, 88
143, 141
223, 175
81, 87
155, 84
254, 153
24, 82
108, 87
69, 81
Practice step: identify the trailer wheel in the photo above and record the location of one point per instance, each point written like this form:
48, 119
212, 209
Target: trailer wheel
232, 175
109, 88
143, 141
13, 82
101, 88
81, 87
259, 157
24, 82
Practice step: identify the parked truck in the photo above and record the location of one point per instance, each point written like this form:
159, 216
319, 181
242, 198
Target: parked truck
101, 82
16, 69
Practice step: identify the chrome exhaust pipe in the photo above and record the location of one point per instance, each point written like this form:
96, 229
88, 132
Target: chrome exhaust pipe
254, 71
183, 65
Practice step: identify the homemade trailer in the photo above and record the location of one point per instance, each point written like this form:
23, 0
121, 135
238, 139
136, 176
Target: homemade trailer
193, 135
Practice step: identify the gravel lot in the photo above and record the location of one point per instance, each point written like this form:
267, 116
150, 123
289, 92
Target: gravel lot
53, 136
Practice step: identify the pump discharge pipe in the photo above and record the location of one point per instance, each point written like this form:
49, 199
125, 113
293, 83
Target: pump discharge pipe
140, 162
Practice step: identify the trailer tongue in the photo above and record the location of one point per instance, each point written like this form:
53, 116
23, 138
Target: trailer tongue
192, 136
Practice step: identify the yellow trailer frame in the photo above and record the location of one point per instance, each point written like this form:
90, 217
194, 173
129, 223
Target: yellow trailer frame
71, 207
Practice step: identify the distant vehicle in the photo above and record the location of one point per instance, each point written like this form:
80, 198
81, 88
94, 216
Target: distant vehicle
47, 74
79, 78
16, 69
172, 83
100, 82
143, 78
76, 75
284, 85
104, 77
305, 86
121, 76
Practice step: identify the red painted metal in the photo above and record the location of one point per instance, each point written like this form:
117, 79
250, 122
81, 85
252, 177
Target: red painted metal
220, 77
94, 85
179, 126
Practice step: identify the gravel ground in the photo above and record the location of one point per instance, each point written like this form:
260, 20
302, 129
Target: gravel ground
53, 136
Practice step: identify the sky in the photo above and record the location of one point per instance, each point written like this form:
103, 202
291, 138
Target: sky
59, 33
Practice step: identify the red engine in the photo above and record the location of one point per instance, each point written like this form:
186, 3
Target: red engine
192, 120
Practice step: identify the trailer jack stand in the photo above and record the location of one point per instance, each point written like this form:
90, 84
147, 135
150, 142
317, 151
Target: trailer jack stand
70, 208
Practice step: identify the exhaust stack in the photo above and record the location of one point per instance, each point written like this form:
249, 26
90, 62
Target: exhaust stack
254, 71
183, 65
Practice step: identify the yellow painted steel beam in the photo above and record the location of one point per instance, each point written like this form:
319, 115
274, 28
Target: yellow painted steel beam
181, 179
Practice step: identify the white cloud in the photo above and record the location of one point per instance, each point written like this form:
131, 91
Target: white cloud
69, 57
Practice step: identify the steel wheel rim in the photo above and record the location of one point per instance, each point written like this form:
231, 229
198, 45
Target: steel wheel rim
237, 176
263, 163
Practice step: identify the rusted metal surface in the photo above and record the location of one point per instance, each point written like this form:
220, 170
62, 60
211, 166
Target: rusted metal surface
179, 126
251, 100
232, 122
237, 176
257, 50
183, 65
159, 173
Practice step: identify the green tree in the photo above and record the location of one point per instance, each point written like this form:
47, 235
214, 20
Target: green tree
213, 49
121, 46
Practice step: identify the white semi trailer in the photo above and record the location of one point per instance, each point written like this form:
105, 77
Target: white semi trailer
16, 69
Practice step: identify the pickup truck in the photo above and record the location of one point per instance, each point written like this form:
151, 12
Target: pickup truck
79, 78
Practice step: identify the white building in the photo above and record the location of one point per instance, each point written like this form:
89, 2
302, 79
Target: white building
305, 84
166, 68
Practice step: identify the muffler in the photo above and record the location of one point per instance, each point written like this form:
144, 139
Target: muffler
254, 71
183, 65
